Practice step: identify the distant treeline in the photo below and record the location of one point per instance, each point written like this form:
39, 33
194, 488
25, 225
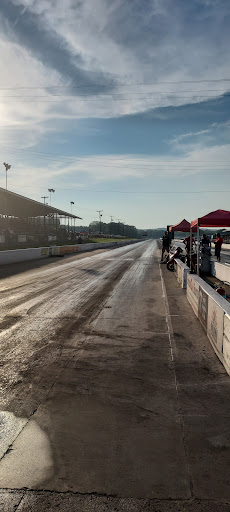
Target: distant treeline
119, 228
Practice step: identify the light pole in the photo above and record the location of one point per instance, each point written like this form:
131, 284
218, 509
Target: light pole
71, 205
71, 202
50, 190
7, 167
44, 197
111, 217
100, 215
118, 226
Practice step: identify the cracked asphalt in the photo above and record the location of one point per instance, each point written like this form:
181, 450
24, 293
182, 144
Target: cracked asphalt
112, 398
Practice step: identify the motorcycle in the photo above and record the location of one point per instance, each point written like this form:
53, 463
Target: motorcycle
193, 262
176, 255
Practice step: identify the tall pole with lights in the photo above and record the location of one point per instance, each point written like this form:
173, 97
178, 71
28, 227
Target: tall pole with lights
100, 215
71, 205
7, 167
50, 190
44, 197
119, 220
111, 217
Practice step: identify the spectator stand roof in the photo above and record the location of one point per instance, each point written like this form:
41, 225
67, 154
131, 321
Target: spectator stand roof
15, 205
216, 219
183, 226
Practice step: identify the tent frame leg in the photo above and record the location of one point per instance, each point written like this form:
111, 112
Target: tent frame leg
198, 250
190, 250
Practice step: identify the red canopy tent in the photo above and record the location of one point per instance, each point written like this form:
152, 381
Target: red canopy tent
183, 226
216, 219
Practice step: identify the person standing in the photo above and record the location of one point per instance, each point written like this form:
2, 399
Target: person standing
218, 244
165, 244
186, 242
205, 241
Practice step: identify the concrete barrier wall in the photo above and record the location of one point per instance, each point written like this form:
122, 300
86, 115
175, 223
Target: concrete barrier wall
226, 343
203, 303
221, 271
193, 291
56, 250
182, 272
19, 255
215, 328
213, 311
67, 249
178, 271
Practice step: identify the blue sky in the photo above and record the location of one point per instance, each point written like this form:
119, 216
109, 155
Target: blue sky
122, 106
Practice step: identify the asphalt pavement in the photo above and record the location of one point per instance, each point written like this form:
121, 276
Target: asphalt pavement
225, 253
112, 398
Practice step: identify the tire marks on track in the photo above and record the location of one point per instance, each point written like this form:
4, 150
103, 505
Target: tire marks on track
31, 343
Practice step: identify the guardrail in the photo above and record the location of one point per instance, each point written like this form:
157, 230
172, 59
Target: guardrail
70, 249
213, 311
221, 271
181, 273
20, 255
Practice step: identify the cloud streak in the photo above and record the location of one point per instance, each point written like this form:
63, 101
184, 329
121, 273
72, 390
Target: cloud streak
50, 48
98, 171
94, 58
218, 134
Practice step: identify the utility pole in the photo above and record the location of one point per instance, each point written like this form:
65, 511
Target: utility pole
71, 205
44, 197
100, 215
50, 190
118, 226
7, 167
111, 217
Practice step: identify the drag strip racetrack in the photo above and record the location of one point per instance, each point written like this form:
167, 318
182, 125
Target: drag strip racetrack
85, 356
110, 389
42, 309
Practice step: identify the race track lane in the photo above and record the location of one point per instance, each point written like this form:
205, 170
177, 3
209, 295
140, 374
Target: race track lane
42, 309
112, 398
85, 355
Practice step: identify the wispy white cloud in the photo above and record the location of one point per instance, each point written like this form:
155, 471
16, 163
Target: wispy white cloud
98, 172
87, 47
180, 138
216, 134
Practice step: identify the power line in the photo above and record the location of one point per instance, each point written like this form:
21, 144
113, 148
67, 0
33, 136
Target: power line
112, 162
122, 159
150, 93
128, 166
125, 84
155, 192
150, 167
98, 98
